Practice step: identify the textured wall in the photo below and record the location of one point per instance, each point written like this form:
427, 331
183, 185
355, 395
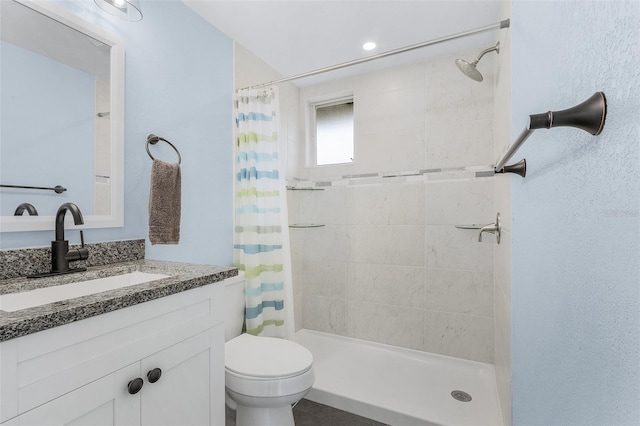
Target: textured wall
178, 82
575, 245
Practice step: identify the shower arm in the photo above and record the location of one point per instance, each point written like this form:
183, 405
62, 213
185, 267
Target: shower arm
495, 48
589, 116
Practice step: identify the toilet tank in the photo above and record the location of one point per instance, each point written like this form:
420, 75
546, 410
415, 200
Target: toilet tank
233, 306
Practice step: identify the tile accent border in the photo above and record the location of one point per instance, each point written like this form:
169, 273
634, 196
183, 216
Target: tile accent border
450, 173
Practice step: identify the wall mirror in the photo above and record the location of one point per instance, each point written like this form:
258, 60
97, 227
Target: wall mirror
62, 114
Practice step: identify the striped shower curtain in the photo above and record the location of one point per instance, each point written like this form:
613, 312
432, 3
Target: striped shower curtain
261, 235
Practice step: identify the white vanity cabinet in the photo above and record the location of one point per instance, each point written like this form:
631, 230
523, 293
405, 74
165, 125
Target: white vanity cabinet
86, 372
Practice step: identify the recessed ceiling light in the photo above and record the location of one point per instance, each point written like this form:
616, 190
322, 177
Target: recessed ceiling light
369, 45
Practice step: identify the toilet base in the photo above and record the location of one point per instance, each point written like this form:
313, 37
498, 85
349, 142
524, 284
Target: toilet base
258, 416
264, 411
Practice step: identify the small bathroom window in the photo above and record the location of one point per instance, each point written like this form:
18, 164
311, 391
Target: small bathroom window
331, 131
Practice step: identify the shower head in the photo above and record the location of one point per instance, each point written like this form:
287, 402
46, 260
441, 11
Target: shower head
470, 69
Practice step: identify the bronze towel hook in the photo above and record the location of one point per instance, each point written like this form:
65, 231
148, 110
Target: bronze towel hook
153, 139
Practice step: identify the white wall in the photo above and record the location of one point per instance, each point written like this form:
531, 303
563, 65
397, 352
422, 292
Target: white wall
576, 228
250, 70
389, 265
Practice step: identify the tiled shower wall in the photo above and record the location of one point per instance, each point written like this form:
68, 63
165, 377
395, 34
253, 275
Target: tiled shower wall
389, 264
502, 203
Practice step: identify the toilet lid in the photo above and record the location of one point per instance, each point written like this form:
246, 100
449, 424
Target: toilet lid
266, 357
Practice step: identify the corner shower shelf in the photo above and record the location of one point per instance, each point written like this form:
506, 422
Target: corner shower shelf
306, 225
472, 226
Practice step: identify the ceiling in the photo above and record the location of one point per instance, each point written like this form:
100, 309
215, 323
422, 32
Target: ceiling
297, 36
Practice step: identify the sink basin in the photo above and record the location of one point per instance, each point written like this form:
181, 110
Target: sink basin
17, 301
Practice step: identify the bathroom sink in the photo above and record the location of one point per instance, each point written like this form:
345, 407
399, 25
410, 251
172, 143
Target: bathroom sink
12, 302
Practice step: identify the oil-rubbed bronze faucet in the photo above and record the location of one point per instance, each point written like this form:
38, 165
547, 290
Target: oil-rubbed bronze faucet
60, 253
29, 208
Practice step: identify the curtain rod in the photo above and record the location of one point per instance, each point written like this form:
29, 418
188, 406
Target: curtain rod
496, 26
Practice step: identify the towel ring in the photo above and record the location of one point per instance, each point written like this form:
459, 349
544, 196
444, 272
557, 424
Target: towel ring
153, 139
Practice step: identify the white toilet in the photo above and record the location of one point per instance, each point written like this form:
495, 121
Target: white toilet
263, 375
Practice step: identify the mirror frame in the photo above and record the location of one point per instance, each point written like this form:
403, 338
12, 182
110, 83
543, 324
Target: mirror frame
115, 218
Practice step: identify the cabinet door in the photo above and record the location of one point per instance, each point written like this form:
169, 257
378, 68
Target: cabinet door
105, 401
190, 390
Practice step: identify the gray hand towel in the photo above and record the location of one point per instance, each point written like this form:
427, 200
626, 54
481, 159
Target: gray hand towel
165, 203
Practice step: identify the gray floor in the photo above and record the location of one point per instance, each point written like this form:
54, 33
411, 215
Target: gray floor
309, 413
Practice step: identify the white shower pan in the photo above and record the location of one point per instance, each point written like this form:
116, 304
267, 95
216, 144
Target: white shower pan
399, 386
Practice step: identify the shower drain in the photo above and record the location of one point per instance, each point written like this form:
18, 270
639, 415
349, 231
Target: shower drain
461, 396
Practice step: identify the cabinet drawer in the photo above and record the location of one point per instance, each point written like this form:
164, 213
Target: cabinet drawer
42, 366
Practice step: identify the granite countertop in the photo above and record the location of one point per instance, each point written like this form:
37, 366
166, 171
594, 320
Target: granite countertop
182, 276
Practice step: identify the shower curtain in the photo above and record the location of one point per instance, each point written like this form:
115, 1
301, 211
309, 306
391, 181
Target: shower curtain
261, 237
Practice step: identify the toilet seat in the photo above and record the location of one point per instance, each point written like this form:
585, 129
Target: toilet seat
267, 367
260, 357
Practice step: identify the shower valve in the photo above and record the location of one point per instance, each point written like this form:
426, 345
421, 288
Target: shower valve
494, 228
